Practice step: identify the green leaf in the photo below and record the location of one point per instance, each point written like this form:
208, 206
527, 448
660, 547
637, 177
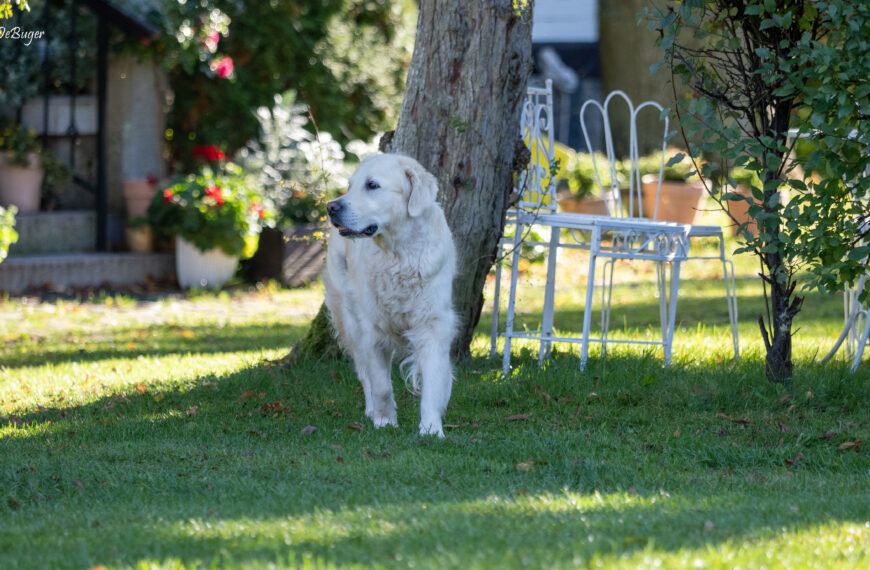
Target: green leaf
859, 253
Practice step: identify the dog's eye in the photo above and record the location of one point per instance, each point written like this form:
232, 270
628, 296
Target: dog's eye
372, 185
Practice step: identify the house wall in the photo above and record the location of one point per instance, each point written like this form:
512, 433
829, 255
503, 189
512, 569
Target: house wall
135, 118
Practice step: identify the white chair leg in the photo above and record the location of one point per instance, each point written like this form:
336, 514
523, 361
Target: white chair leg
606, 297
512, 296
862, 342
495, 300
672, 317
730, 296
662, 282
587, 311
549, 297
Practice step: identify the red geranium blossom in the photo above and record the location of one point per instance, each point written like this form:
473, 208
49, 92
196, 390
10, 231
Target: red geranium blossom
208, 152
223, 67
259, 209
167, 195
215, 192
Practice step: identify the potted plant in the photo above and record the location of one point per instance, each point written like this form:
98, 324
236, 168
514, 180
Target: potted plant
577, 186
681, 189
8, 235
298, 172
215, 215
21, 170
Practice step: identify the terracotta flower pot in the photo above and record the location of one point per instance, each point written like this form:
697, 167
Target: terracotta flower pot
594, 206
208, 269
678, 201
137, 194
739, 209
21, 185
140, 239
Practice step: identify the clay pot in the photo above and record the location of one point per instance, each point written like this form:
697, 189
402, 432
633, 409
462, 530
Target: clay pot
21, 185
568, 203
137, 194
678, 201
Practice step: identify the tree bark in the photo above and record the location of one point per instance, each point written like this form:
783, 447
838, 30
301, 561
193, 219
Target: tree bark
460, 119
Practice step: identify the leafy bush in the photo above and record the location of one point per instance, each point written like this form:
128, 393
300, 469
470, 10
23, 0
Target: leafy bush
346, 58
298, 171
18, 143
8, 235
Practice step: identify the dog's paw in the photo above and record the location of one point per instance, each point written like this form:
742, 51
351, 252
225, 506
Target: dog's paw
431, 428
382, 421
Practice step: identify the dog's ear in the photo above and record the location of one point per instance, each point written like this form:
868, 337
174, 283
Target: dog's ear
424, 188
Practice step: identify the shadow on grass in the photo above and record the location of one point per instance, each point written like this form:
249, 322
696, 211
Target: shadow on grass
226, 471
159, 340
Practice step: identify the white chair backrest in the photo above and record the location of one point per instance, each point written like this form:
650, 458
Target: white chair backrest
612, 193
536, 185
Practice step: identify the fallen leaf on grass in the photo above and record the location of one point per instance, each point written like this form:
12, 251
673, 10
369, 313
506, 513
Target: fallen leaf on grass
192, 411
594, 395
252, 394
517, 418
521, 492
526, 466
141, 387
188, 333
13, 504
828, 435
796, 458
355, 427
850, 445
308, 430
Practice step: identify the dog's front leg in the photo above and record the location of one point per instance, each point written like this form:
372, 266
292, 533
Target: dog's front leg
372, 365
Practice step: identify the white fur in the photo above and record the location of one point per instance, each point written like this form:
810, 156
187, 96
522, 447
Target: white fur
389, 294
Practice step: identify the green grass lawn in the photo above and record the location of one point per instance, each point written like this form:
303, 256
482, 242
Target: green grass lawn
154, 434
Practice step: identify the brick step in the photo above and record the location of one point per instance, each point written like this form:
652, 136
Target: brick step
23, 272
66, 231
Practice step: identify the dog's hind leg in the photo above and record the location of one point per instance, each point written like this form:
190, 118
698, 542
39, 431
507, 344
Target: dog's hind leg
433, 362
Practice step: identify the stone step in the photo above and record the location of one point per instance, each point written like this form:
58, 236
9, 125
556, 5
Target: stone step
66, 231
23, 272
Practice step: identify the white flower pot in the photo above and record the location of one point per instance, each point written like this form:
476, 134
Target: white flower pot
195, 268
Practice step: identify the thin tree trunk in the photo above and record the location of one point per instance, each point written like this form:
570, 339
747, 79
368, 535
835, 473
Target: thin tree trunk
460, 119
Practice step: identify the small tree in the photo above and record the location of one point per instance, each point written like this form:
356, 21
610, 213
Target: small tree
757, 69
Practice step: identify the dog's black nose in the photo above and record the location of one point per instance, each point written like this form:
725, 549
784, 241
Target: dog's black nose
333, 207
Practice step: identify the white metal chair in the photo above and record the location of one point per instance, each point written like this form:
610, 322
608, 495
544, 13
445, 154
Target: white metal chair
613, 196
607, 237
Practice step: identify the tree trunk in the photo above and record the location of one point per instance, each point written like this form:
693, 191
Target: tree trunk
460, 119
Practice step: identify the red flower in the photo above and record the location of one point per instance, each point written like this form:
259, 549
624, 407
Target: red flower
215, 192
223, 67
211, 41
208, 152
167, 195
259, 209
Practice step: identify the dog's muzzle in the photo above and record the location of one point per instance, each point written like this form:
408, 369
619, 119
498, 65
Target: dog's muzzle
335, 209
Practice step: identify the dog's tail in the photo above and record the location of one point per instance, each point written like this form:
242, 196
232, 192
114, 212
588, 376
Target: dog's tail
410, 371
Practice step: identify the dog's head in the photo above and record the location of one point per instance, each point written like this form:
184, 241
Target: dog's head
385, 190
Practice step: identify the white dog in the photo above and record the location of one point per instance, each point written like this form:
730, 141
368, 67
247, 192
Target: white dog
389, 281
